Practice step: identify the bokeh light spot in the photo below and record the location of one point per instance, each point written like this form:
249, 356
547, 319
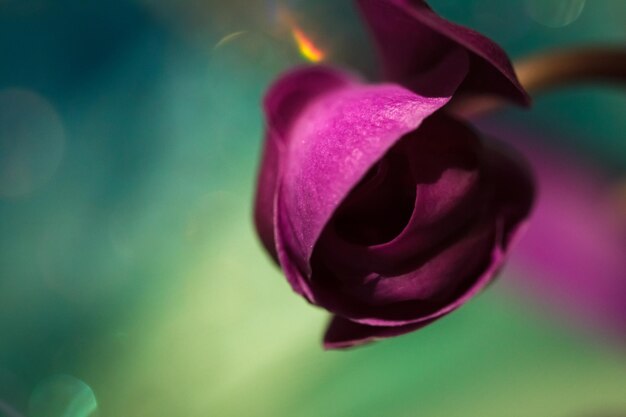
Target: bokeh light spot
13, 393
7, 411
62, 396
32, 141
229, 38
555, 13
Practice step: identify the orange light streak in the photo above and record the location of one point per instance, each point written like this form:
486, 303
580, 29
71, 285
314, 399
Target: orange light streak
307, 48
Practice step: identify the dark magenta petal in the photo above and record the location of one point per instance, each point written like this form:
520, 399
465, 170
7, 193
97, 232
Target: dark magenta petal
266, 194
331, 146
419, 311
284, 102
452, 276
406, 281
414, 42
288, 97
342, 333
514, 186
442, 161
437, 279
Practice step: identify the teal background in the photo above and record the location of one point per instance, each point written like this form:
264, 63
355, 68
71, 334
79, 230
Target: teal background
131, 280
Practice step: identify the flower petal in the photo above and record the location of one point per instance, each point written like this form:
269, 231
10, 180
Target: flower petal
330, 148
434, 288
283, 103
343, 333
412, 40
443, 162
390, 285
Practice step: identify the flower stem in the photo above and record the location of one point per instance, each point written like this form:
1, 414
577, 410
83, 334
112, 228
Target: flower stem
555, 69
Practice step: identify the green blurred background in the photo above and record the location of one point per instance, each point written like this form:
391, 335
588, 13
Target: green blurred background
131, 280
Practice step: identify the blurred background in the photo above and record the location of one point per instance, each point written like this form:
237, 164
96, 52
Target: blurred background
131, 280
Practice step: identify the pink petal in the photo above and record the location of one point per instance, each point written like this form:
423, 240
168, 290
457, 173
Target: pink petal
332, 145
285, 100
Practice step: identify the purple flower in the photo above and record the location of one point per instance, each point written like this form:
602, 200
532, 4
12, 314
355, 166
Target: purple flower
379, 206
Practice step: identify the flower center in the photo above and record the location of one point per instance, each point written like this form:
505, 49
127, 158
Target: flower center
380, 206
